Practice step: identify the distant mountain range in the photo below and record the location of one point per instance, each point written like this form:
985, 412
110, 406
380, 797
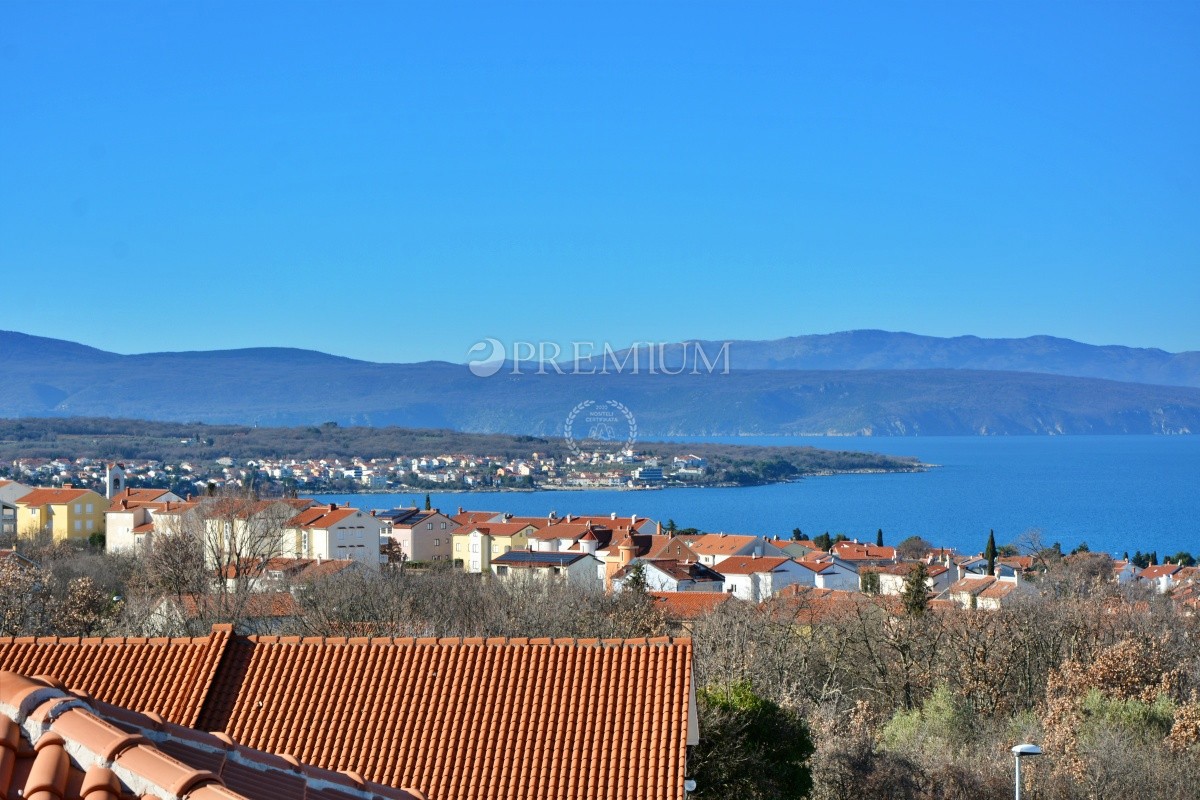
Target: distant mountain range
896, 351
883, 384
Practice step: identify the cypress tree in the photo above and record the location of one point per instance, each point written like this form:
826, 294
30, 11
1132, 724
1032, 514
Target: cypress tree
916, 592
879, 538
990, 553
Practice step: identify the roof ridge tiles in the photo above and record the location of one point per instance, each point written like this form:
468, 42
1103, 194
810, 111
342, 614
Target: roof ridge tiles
252, 689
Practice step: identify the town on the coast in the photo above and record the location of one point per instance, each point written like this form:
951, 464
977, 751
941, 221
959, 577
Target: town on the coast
272, 544
625, 467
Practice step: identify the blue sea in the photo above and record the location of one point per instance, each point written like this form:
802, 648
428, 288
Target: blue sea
1116, 493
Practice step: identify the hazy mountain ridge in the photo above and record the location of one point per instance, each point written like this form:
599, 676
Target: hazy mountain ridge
875, 349
270, 386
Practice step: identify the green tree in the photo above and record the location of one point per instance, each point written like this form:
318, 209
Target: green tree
797, 535
1183, 558
671, 526
749, 747
879, 538
428, 504
635, 580
916, 590
869, 581
823, 542
989, 553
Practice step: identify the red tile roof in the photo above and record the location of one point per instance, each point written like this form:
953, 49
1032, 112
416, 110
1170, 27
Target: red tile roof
1157, 571
253, 605
852, 551
474, 517
748, 565
426, 713
688, 605
58, 746
320, 517
137, 497
572, 530
494, 528
42, 497
716, 544
168, 677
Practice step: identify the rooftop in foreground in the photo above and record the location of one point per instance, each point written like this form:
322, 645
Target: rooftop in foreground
456, 719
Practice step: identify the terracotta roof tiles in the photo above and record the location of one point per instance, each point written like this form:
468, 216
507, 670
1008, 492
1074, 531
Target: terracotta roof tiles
1157, 571
42, 497
57, 746
425, 713
688, 605
747, 565
127, 672
716, 544
320, 517
853, 551
134, 497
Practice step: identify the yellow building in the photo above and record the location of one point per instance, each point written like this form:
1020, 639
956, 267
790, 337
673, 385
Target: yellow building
474, 545
67, 513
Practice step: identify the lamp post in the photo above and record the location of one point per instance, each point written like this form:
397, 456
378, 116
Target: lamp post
1023, 751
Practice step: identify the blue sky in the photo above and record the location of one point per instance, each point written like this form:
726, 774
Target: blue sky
397, 181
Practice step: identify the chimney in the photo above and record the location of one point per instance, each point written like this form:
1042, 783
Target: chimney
333, 506
68, 486
658, 529
460, 509
372, 512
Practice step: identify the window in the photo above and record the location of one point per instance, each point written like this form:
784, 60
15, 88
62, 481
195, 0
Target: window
90, 508
91, 524
79, 508
358, 535
443, 526
428, 526
437, 542
341, 535
78, 524
495, 548
458, 547
474, 547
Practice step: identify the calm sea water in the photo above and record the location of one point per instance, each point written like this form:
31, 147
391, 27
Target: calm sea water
1117, 493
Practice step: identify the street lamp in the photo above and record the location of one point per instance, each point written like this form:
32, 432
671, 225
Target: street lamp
1023, 751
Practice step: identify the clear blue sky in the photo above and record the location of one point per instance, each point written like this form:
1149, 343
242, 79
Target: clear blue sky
396, 181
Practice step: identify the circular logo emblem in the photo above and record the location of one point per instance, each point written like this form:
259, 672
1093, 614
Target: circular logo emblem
487, 365
595, 427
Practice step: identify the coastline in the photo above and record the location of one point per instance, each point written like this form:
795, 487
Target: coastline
918, 468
